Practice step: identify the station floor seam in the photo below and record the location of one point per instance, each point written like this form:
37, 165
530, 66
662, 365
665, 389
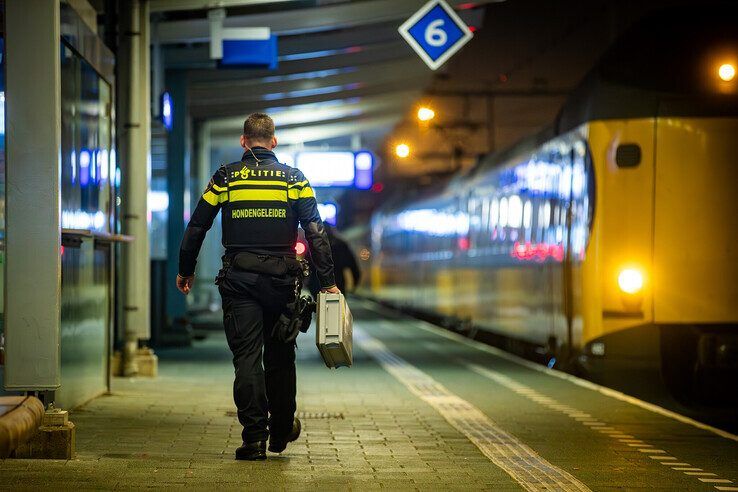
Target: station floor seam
595, 424
518, 460
609, 392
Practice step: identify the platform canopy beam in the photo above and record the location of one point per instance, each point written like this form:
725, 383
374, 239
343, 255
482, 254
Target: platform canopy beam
303, 20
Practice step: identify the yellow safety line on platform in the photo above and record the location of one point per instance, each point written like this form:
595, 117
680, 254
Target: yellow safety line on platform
562, 375
518, 460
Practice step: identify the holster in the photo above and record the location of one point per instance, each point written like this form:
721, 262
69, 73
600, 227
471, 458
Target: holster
295, 319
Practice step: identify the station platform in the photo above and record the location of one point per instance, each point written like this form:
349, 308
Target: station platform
421, 409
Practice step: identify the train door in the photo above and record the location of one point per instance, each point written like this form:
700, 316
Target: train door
559, 258
575, 193
567, 301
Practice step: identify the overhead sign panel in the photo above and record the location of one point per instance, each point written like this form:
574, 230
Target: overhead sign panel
250, 52
435, 32
327, 168
241, 46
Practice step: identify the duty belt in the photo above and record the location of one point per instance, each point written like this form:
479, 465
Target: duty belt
278, 266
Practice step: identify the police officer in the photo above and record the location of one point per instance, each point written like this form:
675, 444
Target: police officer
262, 203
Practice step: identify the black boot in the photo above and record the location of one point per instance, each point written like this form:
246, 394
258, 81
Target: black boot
252, 451
277, 445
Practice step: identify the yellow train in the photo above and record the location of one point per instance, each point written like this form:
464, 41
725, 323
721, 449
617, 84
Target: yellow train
609, 240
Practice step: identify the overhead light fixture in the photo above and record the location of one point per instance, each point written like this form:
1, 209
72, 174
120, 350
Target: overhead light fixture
426, 114
726, 72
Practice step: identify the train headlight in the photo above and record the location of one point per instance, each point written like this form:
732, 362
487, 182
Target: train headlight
402, 150
630, 280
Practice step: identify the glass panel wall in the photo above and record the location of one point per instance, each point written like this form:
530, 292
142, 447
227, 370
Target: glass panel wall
88, 175
87, 163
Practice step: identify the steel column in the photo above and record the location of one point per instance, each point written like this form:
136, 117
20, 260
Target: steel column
136, 135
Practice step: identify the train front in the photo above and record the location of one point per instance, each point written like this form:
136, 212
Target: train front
661, 264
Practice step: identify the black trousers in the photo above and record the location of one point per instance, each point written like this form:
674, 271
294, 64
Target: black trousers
265, 387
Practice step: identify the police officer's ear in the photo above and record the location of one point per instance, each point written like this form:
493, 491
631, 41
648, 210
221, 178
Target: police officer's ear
243, 141
274, 142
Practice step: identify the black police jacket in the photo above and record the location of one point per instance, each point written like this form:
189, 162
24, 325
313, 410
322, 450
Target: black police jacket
262, 203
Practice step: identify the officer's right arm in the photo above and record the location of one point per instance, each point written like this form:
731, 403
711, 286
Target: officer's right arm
307, 212
201, 221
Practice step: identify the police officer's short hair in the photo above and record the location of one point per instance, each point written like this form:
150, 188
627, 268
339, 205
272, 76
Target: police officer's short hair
258, 127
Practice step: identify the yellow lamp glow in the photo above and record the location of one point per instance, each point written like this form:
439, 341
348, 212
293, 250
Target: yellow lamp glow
726, 72
426, 114
402, 150
630, 280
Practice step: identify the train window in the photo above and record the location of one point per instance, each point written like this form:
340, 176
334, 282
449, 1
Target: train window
485, 214
494, 213
628, 155
527, 214
546, 214
514, 211
503, 212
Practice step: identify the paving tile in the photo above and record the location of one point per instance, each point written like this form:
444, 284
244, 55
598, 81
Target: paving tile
180, 430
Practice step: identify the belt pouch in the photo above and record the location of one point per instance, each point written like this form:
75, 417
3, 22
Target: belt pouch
269, 265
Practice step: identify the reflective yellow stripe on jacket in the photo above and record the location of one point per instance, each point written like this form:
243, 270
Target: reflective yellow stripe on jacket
295, 191
301, 190
215, 198
258, 195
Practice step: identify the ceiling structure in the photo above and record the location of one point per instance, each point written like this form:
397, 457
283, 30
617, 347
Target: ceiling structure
344, 73
347, 79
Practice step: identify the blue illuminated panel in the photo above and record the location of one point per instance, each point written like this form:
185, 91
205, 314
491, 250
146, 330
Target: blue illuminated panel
364, 165
167, 110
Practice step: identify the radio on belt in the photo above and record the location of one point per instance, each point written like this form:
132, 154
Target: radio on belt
334, 333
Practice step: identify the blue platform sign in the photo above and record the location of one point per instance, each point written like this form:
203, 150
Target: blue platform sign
435, 32
259, 53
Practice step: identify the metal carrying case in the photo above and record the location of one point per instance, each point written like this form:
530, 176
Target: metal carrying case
334, 333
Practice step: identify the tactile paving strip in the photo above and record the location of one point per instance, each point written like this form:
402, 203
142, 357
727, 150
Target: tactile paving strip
519, 461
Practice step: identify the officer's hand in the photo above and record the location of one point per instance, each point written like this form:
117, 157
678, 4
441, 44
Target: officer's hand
184, 284
331, 290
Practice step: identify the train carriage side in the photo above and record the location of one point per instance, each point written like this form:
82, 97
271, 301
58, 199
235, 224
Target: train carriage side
550, 245
415, 252
501, 248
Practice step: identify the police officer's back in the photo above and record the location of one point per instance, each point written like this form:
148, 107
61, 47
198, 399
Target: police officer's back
262, 202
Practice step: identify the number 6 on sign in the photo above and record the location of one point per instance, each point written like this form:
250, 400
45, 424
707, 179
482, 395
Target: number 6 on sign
435, 32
